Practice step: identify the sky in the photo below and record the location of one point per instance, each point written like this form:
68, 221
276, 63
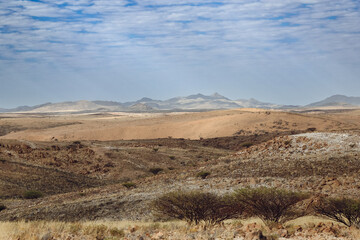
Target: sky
279, 51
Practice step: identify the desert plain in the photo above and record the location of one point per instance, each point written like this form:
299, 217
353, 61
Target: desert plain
80, 162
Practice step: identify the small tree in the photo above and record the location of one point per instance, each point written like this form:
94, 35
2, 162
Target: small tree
195, 207
343, 210
271, 204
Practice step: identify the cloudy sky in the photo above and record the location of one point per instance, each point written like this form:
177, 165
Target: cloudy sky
280, 51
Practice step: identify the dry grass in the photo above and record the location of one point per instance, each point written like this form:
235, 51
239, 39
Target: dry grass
81, 230
302, 228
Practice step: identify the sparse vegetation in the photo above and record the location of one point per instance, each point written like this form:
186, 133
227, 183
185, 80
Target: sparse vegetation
203, 174
129, 185
196, 207
271, 204
32, 194
2, 207
155, 170
311, 129
115, 232
247, 144
343, 210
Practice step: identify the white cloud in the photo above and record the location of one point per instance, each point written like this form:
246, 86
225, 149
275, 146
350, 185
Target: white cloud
247, 29
178, 34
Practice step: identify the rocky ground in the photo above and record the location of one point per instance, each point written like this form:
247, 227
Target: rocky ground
319, 163
83, 180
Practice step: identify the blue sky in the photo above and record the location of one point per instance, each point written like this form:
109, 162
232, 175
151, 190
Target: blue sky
280, 51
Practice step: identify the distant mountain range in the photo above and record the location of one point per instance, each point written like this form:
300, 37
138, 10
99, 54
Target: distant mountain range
198, 102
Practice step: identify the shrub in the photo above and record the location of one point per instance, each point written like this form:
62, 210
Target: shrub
117, 232
203, 174
270, 204
196, 207
247, 144
343, 210
2, 207
129, 185
155, 170
32, 194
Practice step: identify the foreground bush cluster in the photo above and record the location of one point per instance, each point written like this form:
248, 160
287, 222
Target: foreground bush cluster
195, 207
269, 204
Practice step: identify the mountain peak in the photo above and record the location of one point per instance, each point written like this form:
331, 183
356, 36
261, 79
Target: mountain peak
217, 95
145, 99
194, 96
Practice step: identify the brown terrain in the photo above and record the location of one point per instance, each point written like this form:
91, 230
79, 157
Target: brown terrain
80, 162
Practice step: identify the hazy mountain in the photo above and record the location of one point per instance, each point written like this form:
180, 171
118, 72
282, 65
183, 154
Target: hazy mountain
191, 103
23, 108
141, 107
79, 106
194, 102
337, 100
253, 103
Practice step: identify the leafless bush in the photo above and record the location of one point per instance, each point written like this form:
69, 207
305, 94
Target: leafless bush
343, 210
271, 204
196, 207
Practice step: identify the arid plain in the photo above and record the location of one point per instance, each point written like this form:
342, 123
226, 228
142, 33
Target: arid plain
80, 162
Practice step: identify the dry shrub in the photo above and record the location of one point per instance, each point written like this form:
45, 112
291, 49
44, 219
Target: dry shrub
156, 170
32, 194
115, 232
203, 174
196, 207
343, 210
129, 185
271, 204
247, 144
2, 207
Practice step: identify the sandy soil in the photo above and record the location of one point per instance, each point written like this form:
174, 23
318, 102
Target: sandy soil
222, 123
